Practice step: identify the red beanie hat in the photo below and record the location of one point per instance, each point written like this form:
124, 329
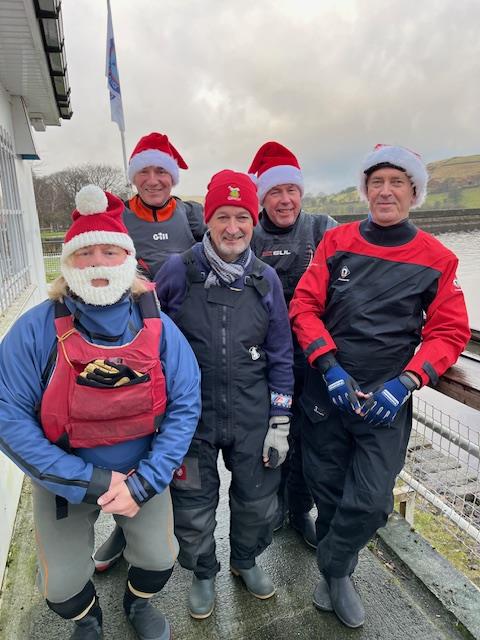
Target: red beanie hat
155, 150
274, 164
96, 220
231, 188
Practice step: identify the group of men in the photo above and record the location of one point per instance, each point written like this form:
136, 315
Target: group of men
322, 419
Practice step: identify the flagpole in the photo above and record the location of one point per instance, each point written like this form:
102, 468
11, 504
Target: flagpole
113, 76
122, 136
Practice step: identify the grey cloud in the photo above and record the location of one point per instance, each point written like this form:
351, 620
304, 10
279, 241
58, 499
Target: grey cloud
221, 78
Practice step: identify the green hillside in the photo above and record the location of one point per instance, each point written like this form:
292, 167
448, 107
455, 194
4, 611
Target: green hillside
454, 184
461, 169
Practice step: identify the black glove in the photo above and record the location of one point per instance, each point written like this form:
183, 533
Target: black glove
105, 373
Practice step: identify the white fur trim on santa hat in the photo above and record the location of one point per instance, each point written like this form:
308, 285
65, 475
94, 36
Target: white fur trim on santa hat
399, 156
153, 158
281, 174
91, 199
89, 238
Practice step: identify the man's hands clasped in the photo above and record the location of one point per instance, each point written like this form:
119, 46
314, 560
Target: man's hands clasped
118, 498
343, 390
379, 407
383, 404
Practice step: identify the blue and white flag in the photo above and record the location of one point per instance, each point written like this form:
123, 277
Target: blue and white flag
111, 71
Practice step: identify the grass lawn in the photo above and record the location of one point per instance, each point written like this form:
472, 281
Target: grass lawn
470, 197
49, 235
450, 541
52, 267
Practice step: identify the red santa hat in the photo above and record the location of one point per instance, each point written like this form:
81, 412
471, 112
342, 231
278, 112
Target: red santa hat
231, 188
386, 155
155, 150
97, 219
274, 164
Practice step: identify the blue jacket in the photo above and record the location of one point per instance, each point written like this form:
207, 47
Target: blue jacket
81, 475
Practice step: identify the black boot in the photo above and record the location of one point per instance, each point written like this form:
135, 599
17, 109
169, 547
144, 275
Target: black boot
148, 622
321, 595
346, 602
305, 525
88, 628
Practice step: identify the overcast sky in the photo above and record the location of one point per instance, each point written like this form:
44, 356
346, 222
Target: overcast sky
328, 79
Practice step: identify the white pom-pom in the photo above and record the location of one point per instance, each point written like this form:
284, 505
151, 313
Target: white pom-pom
91, 199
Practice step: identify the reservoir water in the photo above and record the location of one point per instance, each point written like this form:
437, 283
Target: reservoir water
466, 245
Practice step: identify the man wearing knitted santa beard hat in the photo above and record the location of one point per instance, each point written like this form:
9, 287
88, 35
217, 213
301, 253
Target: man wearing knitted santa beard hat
109, 408
98, 258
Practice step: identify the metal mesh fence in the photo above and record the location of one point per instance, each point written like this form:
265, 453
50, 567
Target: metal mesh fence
14, 267
443, 466
52, 250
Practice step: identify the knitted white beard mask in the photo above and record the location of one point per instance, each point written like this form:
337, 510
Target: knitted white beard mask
120, 279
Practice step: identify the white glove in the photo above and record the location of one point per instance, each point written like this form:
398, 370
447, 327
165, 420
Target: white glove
275, 445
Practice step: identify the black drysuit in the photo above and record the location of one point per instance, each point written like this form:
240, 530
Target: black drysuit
289, 250
228, 330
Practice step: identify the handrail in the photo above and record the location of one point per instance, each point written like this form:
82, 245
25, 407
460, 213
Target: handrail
448, 434
450, 513
462, 381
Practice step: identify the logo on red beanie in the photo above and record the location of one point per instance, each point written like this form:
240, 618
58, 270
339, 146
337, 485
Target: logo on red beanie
234, 193
231, 188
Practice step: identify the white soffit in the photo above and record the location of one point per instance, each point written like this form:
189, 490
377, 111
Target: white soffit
23, 64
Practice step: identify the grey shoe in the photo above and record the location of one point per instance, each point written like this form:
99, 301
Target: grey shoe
88, 628
256, 581
149, 624
321, 595
201, 598
305, 525
346, 602
110, 551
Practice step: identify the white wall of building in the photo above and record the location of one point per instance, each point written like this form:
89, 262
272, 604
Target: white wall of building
10, 476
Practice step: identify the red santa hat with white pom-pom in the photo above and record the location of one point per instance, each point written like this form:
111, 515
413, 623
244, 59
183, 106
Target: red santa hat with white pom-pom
97, 219
156, 150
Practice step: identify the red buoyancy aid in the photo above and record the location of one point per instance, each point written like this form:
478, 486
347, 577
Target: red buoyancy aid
75, 415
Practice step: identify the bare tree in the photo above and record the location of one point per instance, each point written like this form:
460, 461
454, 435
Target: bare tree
55, 193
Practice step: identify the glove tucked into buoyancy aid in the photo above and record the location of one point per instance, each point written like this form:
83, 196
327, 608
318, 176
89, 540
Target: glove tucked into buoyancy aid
107, 373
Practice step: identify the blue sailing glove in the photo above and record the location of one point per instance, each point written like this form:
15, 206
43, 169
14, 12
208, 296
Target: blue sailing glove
384, 404
341, 386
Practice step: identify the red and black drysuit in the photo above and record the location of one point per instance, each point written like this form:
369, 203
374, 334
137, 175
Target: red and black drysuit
371, 295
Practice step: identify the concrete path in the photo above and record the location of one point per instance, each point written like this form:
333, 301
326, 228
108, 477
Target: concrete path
398, 607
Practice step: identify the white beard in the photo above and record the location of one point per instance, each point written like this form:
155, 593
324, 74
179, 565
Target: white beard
120, 280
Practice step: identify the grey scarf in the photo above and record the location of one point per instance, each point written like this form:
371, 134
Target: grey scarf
223, 273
